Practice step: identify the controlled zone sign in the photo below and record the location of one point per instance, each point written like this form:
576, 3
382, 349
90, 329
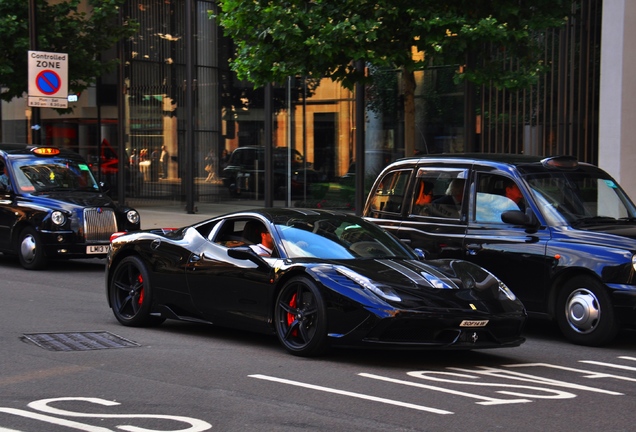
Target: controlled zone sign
48, 79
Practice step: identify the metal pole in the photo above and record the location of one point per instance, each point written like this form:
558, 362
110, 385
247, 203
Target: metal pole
121, 123
289, 142
269, 175
360, 122
305, 135
33, 42
189, 144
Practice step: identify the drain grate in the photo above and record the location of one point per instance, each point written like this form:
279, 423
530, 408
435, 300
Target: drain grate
79, 341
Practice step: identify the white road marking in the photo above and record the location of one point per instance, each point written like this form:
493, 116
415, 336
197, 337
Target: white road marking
55, 420
610, 365
42, 405
485, 399
352, 394
586, 373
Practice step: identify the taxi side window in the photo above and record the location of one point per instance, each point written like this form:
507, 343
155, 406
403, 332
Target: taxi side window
496, 194
438, 192
389, 193
4, 176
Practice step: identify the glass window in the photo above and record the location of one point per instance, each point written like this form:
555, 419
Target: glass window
38, 175
579, 198
389, 193
439, 192
496, 194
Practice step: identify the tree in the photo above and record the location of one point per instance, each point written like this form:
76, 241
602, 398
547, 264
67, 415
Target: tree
325, 38
62, 27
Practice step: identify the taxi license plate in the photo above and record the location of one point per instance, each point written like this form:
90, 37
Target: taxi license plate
473, 323
97, 249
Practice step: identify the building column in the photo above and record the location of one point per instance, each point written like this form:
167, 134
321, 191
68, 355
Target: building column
617, 110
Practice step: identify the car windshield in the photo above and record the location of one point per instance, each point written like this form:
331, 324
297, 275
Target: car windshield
338, 238
579, 198
53, 174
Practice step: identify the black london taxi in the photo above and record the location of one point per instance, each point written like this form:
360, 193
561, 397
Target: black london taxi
561, 234
51, 207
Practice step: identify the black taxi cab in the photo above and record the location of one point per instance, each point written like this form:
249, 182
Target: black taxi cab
51, 207
559, 233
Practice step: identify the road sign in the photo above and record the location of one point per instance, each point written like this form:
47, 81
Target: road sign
48, 79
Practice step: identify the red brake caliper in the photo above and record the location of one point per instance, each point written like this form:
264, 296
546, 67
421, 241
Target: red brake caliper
290, 316
141, 292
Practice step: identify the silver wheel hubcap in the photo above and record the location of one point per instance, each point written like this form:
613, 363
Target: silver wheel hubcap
27, 248
583, 311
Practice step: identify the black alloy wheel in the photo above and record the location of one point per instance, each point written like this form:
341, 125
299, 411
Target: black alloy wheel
301, 319
130, 294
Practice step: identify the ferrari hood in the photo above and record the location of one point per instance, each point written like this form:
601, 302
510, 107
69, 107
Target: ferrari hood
446, 284
440, 274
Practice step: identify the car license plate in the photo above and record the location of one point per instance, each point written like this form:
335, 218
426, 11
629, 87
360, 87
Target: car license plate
475, 323
97, 249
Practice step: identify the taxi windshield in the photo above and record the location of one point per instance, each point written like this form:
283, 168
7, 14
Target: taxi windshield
53, 174
580, 198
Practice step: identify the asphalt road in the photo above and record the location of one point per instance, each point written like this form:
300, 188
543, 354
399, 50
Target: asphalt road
187, 377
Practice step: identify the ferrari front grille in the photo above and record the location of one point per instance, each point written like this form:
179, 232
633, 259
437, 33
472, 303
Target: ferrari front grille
99, 224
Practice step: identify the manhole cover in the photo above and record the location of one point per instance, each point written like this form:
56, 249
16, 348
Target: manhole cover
79, 341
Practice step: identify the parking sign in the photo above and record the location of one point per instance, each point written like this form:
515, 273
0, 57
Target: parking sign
48, 79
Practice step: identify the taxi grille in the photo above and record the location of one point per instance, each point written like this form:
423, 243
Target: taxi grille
99, 224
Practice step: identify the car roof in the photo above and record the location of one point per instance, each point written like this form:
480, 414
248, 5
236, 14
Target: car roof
10, 149
262, 148
278, 215
512, 159
508, 162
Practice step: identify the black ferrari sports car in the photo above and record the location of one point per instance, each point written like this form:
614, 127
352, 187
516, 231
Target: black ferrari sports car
332, 279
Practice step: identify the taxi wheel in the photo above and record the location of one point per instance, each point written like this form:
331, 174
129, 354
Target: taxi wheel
131, 295
585, 314
30, 250
301, 318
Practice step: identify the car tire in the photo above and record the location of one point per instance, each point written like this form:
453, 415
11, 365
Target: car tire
30, 250
584, 312
130, 294
301, 318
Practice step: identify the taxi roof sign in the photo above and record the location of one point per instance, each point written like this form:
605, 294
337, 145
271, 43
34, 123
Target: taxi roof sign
46, 151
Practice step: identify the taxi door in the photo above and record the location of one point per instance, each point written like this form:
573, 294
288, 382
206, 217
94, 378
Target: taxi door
439, 226
515, 254
7, 213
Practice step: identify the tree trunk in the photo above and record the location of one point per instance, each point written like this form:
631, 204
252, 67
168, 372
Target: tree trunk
408, 92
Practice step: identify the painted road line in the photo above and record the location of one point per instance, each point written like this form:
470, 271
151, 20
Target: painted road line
352, 394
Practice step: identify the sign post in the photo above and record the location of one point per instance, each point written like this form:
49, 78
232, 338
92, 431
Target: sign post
48, 79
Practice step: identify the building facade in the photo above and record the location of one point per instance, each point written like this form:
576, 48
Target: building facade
161, 129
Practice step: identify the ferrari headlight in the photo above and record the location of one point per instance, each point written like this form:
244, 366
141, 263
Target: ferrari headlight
383, 291
132, 216
506, 291
634, 261
58, 217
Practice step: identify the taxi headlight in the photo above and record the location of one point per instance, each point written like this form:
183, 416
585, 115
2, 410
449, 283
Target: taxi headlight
58, 217
132, 216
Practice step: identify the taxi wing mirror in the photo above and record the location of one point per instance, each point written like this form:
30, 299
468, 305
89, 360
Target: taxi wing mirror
517, 217
104, 187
